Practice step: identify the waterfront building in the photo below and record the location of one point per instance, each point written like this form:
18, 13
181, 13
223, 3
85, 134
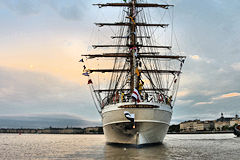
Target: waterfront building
189, 126
205, 126
223, 123
93, 130
235, 121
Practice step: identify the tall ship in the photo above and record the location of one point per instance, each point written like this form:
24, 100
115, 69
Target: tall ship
142, 76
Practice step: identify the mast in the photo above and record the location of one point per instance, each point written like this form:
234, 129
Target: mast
134, 78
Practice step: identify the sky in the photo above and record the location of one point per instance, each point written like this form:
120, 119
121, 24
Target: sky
41, 42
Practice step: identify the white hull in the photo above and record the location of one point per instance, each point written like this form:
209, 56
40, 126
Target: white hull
151, 124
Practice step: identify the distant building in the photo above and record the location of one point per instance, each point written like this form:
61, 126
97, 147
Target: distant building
196, 125
224, 123
93, 130
189, 126
205, 126
235, 121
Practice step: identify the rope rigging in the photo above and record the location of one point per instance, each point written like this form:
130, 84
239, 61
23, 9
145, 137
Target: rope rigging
135, 36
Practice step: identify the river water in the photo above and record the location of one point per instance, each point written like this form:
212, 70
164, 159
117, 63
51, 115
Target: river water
88, 147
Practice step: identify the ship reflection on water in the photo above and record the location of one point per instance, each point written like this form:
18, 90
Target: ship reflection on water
126, 152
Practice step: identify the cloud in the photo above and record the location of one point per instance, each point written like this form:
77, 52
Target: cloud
27, 92
195, 57
183, 93
224, 96
70, 13
229, 95
200, 32
44, 120
236, 66
180, 102
201, 59
69, 10
22, 7
203, 103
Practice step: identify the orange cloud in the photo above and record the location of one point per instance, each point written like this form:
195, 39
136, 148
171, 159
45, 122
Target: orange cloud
229, 95
195, 57
184, 93
202, 103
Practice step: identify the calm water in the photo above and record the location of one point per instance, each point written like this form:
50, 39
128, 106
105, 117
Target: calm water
54, 147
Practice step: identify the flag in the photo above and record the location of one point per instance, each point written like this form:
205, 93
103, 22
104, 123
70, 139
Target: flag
137, 72
135, 49
89, 81
86, 74
129, 116
160, 98
135, 53
140, 64
136, 95
134, 13
181, 65
132, 19
81, 60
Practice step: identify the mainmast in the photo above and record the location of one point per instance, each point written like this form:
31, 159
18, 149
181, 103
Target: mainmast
133, 62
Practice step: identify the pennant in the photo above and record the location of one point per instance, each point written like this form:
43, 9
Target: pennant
86, 74
134, 13
181, 65
128, 34
135, 54
90, 81
140, 64
81, 60
133, 48
160, 98
133, 33
136, 95
132, 19
137, 72
175, 81
125, 1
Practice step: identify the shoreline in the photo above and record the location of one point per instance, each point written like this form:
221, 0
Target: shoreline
88, 130
202, 132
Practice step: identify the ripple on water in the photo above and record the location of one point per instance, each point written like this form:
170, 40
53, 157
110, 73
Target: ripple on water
39, 146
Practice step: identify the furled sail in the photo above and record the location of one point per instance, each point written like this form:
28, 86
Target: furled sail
142, 66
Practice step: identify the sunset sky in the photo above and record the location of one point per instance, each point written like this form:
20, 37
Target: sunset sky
41, 42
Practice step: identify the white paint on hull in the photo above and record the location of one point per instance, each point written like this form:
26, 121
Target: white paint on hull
151, 124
